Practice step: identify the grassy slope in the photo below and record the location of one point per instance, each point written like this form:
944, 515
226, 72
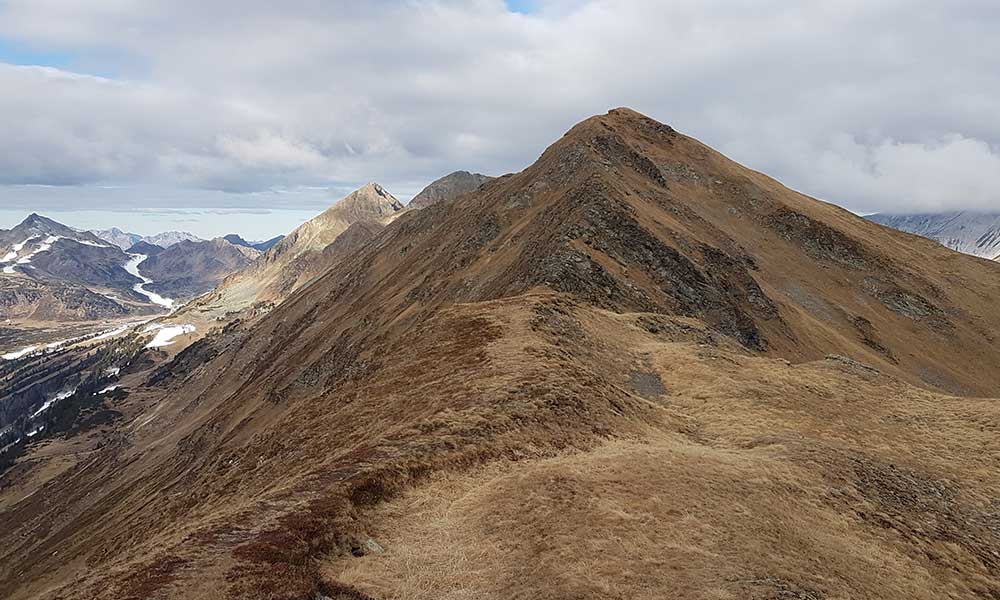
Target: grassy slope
517, 395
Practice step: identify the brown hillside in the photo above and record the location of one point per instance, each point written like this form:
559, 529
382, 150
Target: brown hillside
633, 370
298, 257
189, 268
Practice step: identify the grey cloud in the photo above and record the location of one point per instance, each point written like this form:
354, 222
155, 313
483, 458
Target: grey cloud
876, 106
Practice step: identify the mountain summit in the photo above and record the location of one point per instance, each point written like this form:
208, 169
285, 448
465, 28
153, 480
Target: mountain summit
299, 256
448, 187
634, 369
370, 202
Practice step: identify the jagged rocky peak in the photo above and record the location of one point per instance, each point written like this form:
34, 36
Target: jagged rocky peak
370, 200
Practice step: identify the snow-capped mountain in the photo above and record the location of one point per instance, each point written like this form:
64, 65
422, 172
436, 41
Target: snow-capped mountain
169, 238
122, 239
969, 232
126, 240
55, 274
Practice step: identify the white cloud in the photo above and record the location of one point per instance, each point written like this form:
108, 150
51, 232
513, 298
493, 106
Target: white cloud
877, 106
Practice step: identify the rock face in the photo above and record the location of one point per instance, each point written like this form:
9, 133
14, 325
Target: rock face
634, 369
448, 187
973, 233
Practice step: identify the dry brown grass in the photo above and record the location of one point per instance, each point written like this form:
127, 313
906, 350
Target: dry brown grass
819, 481
624, 437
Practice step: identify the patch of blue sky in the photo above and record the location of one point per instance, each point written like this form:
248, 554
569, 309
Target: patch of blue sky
17, 53
522, 6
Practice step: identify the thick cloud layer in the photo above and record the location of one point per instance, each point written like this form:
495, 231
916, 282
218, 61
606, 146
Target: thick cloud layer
878, 106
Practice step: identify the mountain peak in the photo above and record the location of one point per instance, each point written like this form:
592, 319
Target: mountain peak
38, 224
375, 188
629, 117
448, 187
369, 201
237, 239
35, 219
621, 120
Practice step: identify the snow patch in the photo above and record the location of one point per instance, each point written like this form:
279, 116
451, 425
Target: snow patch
106, 334
16, 249
44, 246
60, 396
166, 334
132, 266
112, 332
110, 388
36, 431
20, 353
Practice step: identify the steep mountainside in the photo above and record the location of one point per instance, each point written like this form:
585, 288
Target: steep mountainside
186, 269
969, 232
298, 257
36, 226
635, 369
448, 187
266, 245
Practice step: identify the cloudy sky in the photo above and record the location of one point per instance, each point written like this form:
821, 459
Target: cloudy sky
230, 114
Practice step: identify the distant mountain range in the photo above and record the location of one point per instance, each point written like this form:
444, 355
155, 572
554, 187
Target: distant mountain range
973, 233
264, 246
189, 268
126, 240
51, 273
292, 261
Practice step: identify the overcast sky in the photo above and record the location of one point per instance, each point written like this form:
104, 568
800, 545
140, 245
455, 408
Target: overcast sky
257, 104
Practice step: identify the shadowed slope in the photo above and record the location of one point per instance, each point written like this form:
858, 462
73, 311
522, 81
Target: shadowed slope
447, 188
